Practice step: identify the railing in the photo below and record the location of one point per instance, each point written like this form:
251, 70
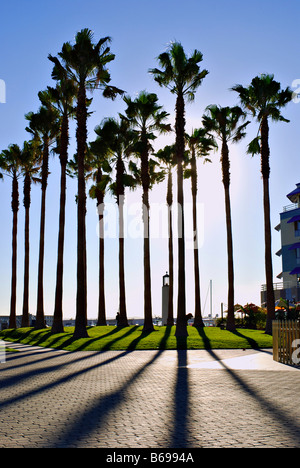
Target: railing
291, 207
286, 340
278, 286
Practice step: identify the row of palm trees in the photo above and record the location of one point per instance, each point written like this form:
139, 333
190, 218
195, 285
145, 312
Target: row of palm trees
126, 145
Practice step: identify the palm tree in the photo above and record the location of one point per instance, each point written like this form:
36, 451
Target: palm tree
100, 171
43, 125
182, 76
200, 143
85, 63
11, 163
146, 116
264, 98
117, 138
224, 123
61, 98
166, 157
31, 164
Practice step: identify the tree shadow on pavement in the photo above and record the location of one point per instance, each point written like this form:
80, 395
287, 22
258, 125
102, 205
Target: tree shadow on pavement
268, 407
179, 436
99, 411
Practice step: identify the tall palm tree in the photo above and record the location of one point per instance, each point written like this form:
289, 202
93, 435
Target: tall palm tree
182, 76
11, 163
100, 171
264, 98
166, 157
117, 138
43, 125
31, 163
146, 116
85, 63
224, 123
199, 143
61, 98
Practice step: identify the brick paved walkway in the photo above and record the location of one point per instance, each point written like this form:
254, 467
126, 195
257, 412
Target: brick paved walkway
147, 399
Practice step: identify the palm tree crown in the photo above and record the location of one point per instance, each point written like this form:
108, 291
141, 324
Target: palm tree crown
180, 74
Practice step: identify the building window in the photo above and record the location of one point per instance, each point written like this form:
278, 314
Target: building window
297, 228
298, 256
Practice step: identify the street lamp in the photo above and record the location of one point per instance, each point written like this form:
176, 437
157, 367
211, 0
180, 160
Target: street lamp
166, 280
165, 298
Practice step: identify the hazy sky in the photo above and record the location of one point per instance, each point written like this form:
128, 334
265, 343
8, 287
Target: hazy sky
239, 40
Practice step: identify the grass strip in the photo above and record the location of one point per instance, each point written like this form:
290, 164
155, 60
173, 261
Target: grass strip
133, 338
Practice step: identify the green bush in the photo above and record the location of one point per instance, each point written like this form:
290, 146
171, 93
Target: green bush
253, 318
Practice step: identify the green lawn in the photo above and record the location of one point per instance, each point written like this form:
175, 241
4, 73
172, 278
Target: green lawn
130, 338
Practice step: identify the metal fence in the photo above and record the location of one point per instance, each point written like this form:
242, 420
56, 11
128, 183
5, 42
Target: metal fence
286, 342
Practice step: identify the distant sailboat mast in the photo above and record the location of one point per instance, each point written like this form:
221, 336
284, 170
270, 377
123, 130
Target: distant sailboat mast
210, 285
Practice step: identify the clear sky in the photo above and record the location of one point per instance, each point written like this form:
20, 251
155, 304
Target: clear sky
239, 40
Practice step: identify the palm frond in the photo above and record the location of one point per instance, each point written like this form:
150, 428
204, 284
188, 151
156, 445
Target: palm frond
254, 146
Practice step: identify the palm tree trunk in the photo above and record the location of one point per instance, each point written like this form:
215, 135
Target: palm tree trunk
230, 316
57, 326
40, 318
226, 182
181, 324
123, 322
25, 313
15, 208
198, 321
101, 303
148, 322
81, 299
170, 319
265, 169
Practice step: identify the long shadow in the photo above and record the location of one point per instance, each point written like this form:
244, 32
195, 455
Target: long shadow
251, 342
98, 338
11, 334
206, 340
108, 346
179, 437
273, 410
163, 342
132, 346
15, 380
98, 412
21, 378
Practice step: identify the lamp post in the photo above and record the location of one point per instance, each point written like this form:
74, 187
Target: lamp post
165, 298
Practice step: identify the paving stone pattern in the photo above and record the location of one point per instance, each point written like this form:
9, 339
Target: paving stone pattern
143, 399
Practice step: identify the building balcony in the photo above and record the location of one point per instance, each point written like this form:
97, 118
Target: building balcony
292, 206
281, 286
